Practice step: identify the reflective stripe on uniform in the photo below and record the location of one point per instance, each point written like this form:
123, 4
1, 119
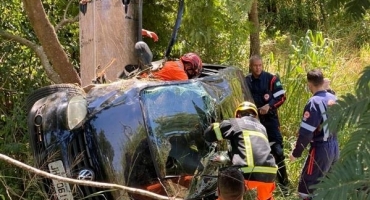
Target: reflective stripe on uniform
278, 93
249, 155
255, 133
324, 118
260, 169
216, 129
308, 127
311, 162
248, 149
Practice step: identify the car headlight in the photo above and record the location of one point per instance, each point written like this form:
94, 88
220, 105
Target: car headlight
76, 111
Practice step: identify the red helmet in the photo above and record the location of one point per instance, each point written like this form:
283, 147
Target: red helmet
196, 64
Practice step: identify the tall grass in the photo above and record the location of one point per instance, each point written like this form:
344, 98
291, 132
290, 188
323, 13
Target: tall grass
313, 50
308, 52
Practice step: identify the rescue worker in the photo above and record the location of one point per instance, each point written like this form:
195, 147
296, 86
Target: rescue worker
324, 148
268, 95
230, 184
250, 149
187, 67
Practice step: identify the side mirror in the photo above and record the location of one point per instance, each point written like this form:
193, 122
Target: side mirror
129, 70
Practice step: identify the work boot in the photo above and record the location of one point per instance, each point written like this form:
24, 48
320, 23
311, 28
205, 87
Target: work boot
282, 178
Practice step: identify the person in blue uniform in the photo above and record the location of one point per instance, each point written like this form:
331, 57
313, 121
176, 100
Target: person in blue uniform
268, 95
324, 148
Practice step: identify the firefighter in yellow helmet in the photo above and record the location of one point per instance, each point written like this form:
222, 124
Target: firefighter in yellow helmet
250, 150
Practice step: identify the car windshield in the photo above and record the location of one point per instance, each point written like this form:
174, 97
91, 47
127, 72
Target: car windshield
176, 116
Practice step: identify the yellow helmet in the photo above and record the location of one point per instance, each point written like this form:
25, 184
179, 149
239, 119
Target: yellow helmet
246, 108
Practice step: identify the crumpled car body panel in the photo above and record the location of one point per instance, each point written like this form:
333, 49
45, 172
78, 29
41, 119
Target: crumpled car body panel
138, 133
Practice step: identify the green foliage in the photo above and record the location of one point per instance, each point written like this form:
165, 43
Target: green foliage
311, 51
362, 36
159, 17
355, 105
354, 8
16, 22
290, 16
20, 73
348, 32
209, 25
205, 26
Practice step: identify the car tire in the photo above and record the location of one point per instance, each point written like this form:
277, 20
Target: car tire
51, 89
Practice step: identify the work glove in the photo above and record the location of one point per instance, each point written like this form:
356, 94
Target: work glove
220, 157
150, 34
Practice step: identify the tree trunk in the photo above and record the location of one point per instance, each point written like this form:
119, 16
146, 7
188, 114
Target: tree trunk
49, 41
254, 35
107, 39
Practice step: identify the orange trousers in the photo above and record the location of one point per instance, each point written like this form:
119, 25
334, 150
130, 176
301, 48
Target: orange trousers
264, 190
157, 187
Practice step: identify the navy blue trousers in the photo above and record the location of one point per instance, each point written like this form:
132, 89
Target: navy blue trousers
322, 155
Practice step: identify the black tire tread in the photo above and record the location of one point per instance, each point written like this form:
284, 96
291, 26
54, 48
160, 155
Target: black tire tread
51, 89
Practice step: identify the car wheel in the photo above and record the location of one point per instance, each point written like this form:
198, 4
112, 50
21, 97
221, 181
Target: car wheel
51, 89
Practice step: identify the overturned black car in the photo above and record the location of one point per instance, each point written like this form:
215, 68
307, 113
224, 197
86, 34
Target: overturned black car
138, 133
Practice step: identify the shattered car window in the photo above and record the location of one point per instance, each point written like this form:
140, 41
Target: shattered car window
176, 116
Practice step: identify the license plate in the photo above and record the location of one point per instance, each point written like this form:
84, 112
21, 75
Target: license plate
62, 189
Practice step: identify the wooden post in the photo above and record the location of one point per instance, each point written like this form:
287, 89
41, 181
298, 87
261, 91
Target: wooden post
107, 39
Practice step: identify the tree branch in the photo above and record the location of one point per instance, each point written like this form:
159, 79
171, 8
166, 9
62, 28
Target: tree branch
66, 10
51, 74
83, 182
65, 21
49, 41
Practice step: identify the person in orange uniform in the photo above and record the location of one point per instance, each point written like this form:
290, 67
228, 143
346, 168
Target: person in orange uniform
250, 148
189, 66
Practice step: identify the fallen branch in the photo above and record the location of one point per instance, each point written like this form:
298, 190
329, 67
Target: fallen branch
83, 182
